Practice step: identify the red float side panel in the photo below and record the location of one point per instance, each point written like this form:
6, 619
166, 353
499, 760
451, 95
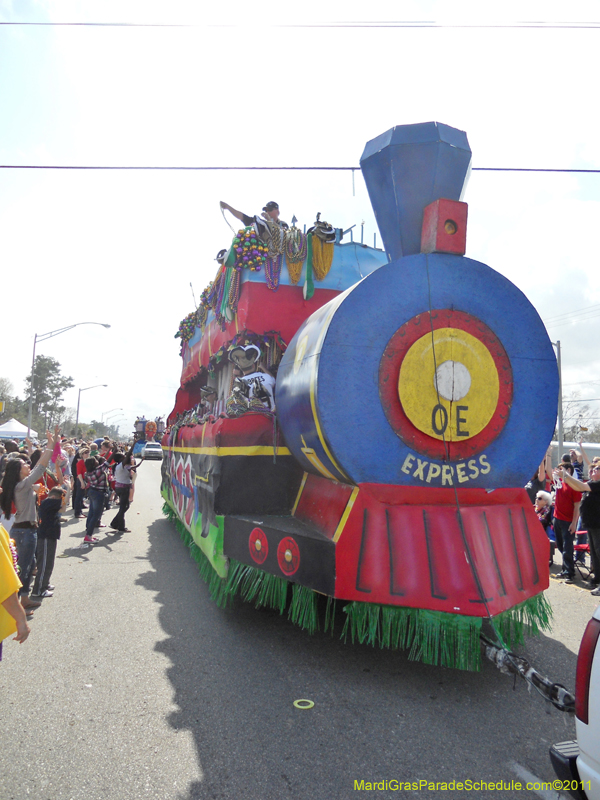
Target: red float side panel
245, 433
423, 495
322, 504
183, 401
259, 310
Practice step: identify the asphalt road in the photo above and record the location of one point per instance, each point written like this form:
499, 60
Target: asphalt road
133, 684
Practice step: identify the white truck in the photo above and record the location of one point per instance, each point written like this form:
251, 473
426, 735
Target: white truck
577, 763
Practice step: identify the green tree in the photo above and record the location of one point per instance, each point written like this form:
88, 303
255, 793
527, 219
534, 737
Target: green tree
6, 389
13, 406
6, 395
99, 428
49, 385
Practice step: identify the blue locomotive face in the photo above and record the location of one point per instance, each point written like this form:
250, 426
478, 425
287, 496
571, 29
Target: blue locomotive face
435, 370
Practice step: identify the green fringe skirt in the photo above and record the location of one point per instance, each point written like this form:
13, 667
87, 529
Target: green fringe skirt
432, 637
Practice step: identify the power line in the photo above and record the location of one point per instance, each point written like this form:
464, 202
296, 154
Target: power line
558, 317
258, 169
571, 321
59, 166
332, 24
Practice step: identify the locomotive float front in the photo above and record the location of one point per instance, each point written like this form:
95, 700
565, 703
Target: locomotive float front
413, 406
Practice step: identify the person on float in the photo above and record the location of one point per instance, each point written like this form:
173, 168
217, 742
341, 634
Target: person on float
260, 385
590, 514
270, 214
17, 488
208, 401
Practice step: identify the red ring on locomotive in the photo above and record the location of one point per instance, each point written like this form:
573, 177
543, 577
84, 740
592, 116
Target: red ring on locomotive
389, 372
258, 545
288, 555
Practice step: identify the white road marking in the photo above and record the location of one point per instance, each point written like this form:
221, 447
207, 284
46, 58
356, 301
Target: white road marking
529, 777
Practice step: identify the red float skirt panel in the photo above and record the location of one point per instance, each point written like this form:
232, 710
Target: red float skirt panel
470, 552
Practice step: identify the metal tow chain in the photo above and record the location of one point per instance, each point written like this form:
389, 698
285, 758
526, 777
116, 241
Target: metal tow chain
511, 664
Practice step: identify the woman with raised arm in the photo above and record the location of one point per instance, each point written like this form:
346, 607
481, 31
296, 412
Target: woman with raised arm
17, 490
125, 475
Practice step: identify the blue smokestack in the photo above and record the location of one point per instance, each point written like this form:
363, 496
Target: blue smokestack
406, 169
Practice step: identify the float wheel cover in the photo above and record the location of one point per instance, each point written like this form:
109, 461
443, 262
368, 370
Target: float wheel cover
467, 407
288, 555
258, 545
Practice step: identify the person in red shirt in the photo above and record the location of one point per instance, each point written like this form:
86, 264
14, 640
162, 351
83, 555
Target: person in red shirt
80, 478
566, 516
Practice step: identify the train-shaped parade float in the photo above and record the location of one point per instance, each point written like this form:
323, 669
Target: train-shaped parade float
354, 426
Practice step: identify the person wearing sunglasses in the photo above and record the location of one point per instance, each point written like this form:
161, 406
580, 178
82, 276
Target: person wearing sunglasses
590, 515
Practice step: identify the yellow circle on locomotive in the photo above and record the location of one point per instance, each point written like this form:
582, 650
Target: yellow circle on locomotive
448, 385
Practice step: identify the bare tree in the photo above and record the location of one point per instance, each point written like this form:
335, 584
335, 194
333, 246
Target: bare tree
579, 420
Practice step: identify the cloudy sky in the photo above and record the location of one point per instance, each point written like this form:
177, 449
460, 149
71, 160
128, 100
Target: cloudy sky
243, 84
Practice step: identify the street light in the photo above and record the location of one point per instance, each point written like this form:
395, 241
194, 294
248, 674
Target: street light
115, 425
113, 415
42, 338
79, 399
108, 412
560, 408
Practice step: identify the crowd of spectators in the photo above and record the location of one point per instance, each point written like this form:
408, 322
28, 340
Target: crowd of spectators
567, 503
37, 483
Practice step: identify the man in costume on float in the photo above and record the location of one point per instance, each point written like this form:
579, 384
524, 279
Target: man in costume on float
269, 216
207, 402
253, 389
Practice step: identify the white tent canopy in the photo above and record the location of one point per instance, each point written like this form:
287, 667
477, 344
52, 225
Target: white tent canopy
14, 430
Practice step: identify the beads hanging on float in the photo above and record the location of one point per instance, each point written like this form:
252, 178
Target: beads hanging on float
250, 252
295, 253
322, 257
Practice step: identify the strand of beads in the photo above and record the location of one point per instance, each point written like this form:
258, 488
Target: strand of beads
322, 257
273, 271
276, 238
220, 285
234, 289
295, 253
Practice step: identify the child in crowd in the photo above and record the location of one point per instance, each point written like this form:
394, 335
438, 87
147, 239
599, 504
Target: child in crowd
96, 481
48, 535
